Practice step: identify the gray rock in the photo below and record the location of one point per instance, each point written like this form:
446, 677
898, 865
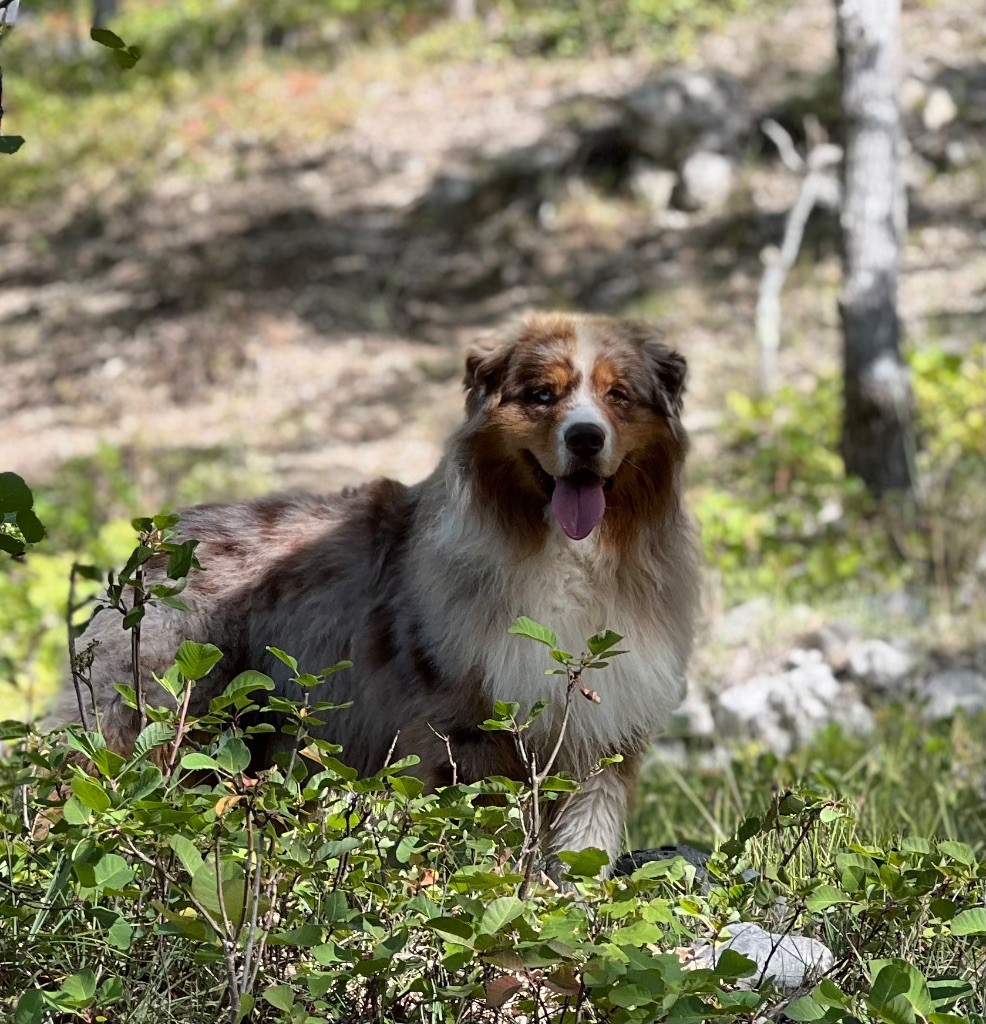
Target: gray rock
835, 642
880, 666
789, 961
684, 111
786, 711
955, 689
706, 181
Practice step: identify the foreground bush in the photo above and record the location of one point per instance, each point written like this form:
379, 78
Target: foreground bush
180, 885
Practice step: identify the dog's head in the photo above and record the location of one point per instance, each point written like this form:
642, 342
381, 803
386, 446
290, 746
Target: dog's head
579, 413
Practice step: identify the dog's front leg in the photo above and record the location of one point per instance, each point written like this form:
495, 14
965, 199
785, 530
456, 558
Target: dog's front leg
594, 816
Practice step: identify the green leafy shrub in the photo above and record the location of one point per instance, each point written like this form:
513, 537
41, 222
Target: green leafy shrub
182, 883
790, 523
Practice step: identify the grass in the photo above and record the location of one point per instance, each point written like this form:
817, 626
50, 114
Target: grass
909, 778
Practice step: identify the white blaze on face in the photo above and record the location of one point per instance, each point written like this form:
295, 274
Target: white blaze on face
585, 407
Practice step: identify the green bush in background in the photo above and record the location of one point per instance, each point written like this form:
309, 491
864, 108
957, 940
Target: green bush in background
779, 516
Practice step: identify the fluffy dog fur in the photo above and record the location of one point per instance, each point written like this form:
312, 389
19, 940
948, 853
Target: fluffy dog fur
418, 585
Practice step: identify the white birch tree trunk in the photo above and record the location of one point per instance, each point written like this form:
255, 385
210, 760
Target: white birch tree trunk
877, 440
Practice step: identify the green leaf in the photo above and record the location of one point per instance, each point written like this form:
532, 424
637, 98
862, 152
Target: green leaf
165, 520
534, 630
112, 872
732, 965
11, 545
110, 991
120, 934
180, 559
961, 852
915, 985
946, 992
196, 660
206, 883
826, 896
306, 935
339, 666
195, 761
233, 756
135, 615
90, 793
970, 922
187, 852
889, 981
31, 1006
75, 812
154, 735
499, 914
138, 557
585, 863
10, 144
247, 1004
105, 37
334, 908
285, 659
602, 642
280, 996
30, 526
804, 1010
239, 689
127, 57
81, 987
630, 995
15, 495
559, 784
454, 929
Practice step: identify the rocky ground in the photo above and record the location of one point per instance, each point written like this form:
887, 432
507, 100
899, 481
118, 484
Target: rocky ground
297, 312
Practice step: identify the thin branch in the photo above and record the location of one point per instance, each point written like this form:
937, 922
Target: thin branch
819, 188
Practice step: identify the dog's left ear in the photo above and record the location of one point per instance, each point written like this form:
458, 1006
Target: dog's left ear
486, 366
668, 370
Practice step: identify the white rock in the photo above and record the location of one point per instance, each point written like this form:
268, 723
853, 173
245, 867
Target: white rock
955, 689
787, 710
789, 961
880, 665
798, 656
706, 181
939, 109
653, 186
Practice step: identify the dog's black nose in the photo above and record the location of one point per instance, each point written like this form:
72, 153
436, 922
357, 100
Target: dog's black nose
585, 439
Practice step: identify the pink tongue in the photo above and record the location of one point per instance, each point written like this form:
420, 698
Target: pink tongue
578, 507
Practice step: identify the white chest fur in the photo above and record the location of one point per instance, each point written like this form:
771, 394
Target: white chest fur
576, 593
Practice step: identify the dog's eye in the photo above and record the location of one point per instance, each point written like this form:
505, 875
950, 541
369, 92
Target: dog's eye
541, 396
618, 396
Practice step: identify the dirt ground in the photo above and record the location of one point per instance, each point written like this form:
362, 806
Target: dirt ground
302, 314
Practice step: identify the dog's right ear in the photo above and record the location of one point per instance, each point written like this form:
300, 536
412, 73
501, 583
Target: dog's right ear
486, 367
